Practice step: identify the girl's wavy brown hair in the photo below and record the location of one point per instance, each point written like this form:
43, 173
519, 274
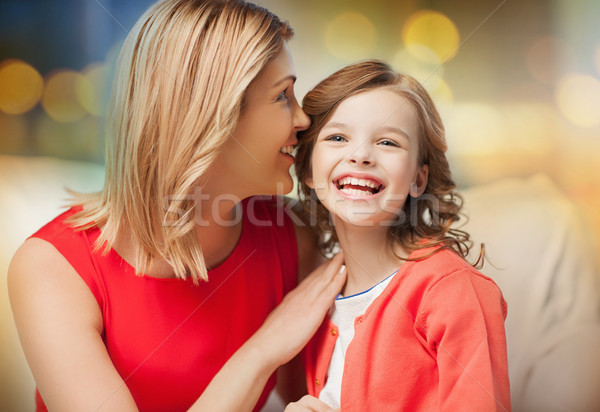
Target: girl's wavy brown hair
428, 219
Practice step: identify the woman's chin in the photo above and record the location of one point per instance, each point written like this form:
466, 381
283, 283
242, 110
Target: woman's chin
282, 186
285, 186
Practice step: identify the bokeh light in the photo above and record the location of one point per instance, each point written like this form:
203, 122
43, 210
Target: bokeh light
60, 100
404, 61
351, 36
13, 133
80, 138
429, 75
545, 56
578, 99
597, 58
20, 87
475, 128
529, 126
92, 89
439, 90
431, 36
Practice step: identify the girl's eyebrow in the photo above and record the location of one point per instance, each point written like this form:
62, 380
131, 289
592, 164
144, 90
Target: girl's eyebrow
335, 125
393, 129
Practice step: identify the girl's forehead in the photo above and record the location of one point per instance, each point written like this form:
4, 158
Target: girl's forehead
374, 109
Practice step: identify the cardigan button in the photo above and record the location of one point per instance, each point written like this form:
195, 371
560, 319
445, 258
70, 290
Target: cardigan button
317, 382
333, 331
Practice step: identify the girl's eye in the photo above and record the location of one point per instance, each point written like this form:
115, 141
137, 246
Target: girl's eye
388, 142
336, 138
282, 96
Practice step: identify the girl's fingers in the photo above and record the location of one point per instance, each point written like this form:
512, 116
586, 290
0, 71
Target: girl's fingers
308, 404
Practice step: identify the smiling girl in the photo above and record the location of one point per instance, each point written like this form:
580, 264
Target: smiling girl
416, 326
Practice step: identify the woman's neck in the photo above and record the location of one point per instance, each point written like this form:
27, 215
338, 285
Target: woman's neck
218, 225
367, 256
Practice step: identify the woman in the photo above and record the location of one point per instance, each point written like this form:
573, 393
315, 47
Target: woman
151, 293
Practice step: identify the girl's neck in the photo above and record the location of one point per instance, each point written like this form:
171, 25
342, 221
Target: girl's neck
367, 256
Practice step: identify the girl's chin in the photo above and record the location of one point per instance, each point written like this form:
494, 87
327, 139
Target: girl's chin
366, 217
367, 223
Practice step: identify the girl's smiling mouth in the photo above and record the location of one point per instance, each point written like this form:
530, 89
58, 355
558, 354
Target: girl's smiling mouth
358, 187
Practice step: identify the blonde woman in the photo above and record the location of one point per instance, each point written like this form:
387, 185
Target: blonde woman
155, 293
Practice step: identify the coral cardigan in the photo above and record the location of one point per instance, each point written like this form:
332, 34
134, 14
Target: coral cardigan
433, 340
167, 338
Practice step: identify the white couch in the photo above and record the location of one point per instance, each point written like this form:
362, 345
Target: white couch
534, 238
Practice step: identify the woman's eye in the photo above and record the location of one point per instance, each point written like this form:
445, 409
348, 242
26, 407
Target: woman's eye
336, 138
282, 96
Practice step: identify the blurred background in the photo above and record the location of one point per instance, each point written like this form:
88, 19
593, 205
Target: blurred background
517, 82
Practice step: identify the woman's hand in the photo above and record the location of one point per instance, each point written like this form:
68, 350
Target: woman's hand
309, 404
284, 333
291, 325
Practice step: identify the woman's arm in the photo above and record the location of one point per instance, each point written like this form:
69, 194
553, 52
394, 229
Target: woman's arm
60, 326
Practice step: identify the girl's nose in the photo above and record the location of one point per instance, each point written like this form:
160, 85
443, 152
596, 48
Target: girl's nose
364, 162
361, 156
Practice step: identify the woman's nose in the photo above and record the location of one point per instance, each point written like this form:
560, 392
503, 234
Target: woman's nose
301, 119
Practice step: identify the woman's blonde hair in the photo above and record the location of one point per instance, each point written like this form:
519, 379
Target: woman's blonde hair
177, 96
427, 219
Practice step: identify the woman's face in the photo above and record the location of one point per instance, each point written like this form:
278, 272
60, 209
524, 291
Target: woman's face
256, 159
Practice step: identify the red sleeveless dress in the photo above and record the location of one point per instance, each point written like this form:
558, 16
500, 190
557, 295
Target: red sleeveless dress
168, 337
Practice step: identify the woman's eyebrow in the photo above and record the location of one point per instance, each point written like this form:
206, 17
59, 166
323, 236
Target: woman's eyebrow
285, 79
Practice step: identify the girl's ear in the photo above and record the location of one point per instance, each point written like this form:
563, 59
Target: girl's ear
418, 186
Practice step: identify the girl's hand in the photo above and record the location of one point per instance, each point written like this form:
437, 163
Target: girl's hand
291, 325
309, 404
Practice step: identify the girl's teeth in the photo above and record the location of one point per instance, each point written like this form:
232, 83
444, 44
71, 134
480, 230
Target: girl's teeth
358, 182
356, 192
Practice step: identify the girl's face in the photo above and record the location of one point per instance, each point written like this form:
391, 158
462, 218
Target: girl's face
256, 159
365, 159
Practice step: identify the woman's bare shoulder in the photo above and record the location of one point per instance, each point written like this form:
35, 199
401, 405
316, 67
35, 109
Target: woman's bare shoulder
39, 275
60, 327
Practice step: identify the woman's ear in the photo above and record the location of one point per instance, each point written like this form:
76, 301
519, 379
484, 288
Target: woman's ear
418, 186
